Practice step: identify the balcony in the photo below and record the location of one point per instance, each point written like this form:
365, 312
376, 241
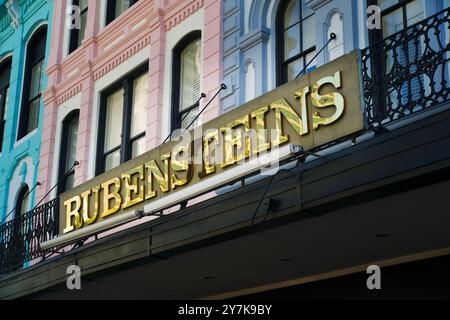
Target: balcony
404, 76
20, 237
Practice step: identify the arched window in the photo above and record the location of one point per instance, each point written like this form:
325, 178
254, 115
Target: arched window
186, 80
68, 151
22, 202
296, 40
32, 85
5, 72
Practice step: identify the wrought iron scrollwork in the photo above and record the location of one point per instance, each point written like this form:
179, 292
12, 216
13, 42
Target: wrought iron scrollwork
408, 71
20, 237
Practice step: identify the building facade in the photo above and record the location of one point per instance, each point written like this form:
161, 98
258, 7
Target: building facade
253, 38
123, 75
135, 45
24, 50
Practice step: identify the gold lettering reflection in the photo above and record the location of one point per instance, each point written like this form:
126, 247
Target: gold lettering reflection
90, 219
111, 193
234, 135
327, 100
211, 136
283, 108
73, 218
134, 187
261, 132
180, 163
162, 179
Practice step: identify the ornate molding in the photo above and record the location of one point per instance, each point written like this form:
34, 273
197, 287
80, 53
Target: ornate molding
121, 57
181, 15
13, 8
316, 4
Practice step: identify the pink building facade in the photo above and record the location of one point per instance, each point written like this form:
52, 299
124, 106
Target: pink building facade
145, 34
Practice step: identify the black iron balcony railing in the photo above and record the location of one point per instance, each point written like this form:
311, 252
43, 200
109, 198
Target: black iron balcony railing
403, 74
20, 237
407, 72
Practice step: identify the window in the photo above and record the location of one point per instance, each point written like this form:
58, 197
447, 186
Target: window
116, 7
296, 39
5, 72
397, 15
123, 115
68, 151
77, 35
186, 80
32, 86
22, 202
400, 14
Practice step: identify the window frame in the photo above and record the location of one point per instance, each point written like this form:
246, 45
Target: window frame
62, 176
74, 34
282, 64
4, 89
111, 10
126, 144
376, 35
176, 114
31, 62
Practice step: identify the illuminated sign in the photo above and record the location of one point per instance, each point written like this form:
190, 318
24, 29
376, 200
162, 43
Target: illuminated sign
320, 107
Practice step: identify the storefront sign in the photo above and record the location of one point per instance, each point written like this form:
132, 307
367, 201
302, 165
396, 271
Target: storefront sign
323, 106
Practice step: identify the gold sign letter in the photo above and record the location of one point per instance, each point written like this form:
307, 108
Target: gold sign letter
109, 196
154, 171
181, 165
331, 99
208, 137
233, 138
282, 107
86, 206
73, 211
261, 133
134, 187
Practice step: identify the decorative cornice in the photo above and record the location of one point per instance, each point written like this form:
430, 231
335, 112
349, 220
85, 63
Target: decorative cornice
5, 23
254, 38
67, 94
121, 57
181, 15
13, 8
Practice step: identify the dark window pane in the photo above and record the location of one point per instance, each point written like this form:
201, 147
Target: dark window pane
6, 104
72, 138
33, 115
69, 181
36, 77
33, 82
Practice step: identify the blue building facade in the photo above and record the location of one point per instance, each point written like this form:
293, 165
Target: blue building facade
252, 36
24, 48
